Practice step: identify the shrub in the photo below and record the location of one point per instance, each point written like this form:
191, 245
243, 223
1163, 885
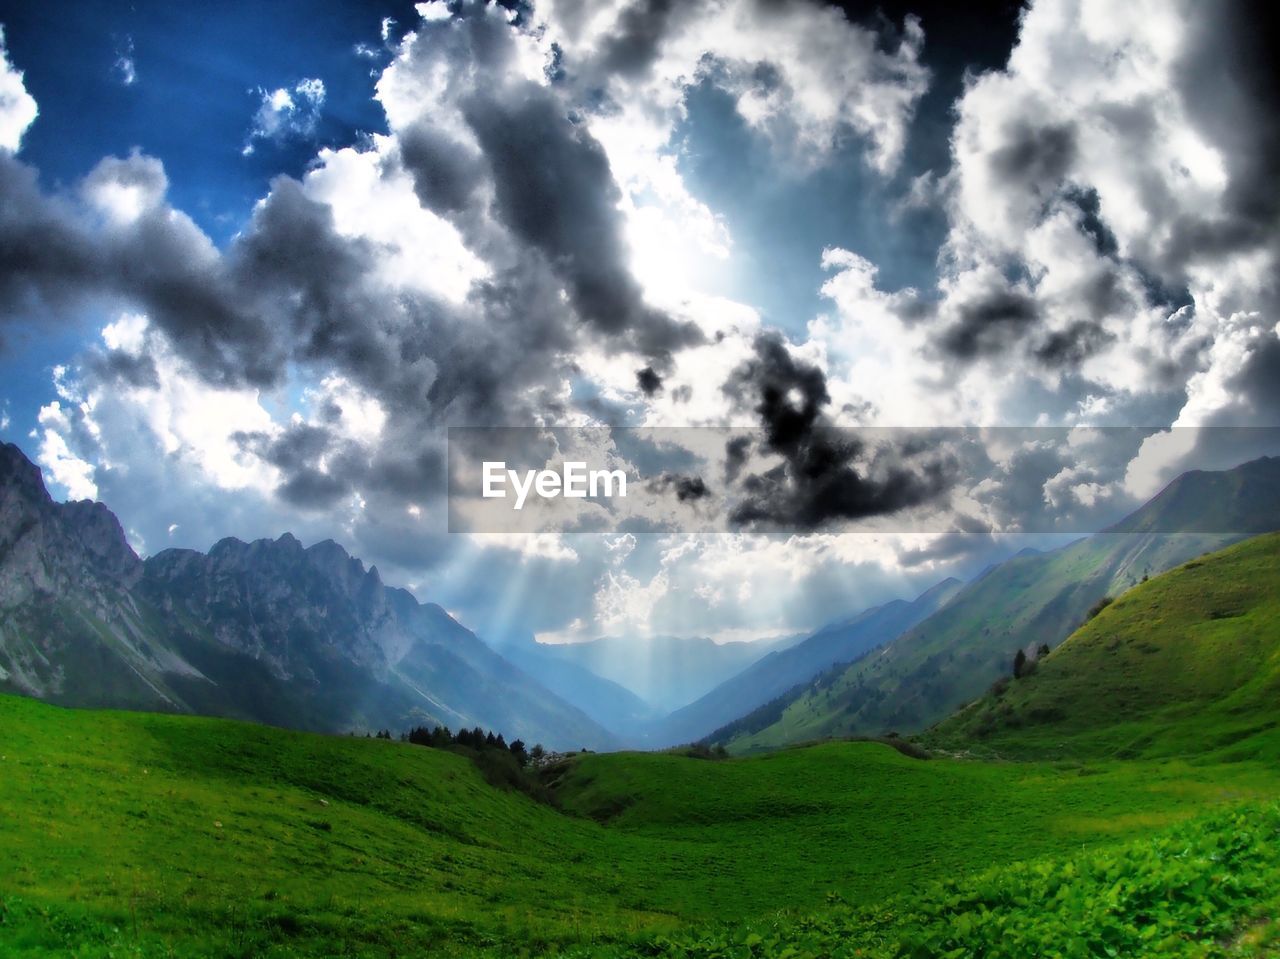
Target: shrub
1098, 607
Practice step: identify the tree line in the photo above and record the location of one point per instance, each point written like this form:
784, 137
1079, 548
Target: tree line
441, 737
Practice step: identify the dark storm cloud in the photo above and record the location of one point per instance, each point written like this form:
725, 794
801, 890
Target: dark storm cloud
640, 30
445, 173
1230, 82
786, 393
45, 258
648, 381
296, 451
288, 289
53, 257
969, 537
1070, 347
687, 488
554, 190
316, 287
989, 324
826, 474
119, 366
1090, 206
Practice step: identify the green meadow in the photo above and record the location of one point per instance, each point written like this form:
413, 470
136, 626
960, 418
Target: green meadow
1139, 818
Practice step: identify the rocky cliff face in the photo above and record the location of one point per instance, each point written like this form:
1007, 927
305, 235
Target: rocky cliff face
46, 546
67, 610
268, 630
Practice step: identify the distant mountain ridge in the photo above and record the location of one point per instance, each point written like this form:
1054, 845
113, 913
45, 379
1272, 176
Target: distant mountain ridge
783, 669
667, 672
1031, 599
268, 630
611, 704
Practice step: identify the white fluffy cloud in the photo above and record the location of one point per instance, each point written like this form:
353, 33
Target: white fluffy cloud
18, 108
1102, 264
522, 243
287, 112
799, 73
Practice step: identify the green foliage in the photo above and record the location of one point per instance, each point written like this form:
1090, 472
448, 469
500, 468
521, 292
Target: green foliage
1100, 605
1193, 892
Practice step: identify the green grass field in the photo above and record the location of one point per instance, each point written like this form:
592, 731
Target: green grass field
133, 834
1140, 821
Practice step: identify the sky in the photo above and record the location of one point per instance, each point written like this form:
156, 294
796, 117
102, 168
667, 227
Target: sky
255, 261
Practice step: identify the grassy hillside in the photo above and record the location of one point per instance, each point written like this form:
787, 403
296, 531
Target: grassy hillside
1188, 662
954, 655
151, 835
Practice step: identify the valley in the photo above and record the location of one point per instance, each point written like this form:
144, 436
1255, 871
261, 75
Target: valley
1153, 727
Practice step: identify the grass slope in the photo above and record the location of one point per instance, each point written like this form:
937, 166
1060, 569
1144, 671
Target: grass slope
954, 655
1187, 662
151, 835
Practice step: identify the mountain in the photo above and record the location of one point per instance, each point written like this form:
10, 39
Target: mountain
782, 669
269, 631
1185, 664
665, 671
613, 706
1029, 600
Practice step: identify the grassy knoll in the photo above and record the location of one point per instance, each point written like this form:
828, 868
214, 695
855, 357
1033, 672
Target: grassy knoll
128, 834
1187, 664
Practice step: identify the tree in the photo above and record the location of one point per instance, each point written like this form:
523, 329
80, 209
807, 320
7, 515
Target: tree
519, 752
1098, 607
537, 754
1019, 664
1043, 651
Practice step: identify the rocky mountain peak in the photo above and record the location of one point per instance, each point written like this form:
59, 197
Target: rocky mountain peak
47, 547
20, 476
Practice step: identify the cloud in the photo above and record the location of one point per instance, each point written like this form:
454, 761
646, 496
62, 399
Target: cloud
648, 380
125, 67
519, 246
1099, 264
554, 190
826, 475
988, 323
687, 488
800, 73
18, 108
286, 113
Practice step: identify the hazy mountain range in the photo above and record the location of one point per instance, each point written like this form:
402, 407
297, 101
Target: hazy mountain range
667, 672
267, 631
1032, 599
308, 637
